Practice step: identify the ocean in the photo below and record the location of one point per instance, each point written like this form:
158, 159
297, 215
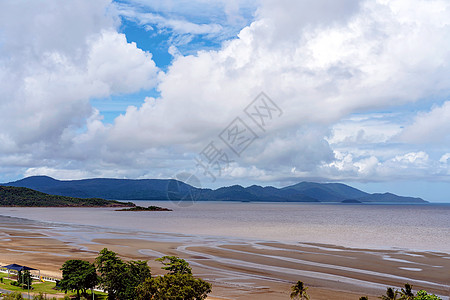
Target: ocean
414, 227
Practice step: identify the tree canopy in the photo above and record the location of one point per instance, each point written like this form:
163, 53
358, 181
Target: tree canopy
407, 293
119, 278
78, 275
178, 284
423, 295
175, 265
299, 291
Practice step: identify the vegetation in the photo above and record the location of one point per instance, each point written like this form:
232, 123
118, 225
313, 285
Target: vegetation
406, 293
78, 275
175, 265
390, 294
39, 289
119, 278
18, 296
42, 296
178, 284
24, 279
299, 291
140, 208
132, 280
173, 287
159, 189
423, 295
19, 196
13, 296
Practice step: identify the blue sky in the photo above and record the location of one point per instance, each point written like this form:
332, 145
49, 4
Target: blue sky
141, 89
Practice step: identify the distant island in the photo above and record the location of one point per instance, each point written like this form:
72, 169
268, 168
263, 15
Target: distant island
170, 189
140, 208
25, 197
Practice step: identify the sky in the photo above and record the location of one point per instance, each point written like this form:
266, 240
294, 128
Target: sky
269, 92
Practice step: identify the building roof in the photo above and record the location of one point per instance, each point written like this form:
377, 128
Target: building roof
17, 267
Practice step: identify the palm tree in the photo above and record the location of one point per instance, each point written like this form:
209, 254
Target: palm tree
299, 291
390, 294
406, 293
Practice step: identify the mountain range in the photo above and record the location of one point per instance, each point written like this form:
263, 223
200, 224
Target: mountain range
170, 189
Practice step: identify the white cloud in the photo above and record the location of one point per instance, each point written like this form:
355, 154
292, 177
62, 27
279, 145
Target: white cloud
54, 58
55, 94
365, 130
351, 166
444, 158
320, 62
318, 69
412, 158
367, 166
120, 66
433, 126
51, 74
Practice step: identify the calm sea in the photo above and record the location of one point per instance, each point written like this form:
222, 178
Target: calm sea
415, 227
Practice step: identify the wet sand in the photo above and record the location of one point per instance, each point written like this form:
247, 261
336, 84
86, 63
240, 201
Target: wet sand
237, 268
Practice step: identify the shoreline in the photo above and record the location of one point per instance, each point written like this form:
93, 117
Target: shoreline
238, 268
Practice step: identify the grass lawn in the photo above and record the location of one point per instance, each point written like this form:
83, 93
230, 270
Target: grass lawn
41, 287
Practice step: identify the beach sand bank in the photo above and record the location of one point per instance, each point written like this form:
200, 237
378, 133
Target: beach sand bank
238, 269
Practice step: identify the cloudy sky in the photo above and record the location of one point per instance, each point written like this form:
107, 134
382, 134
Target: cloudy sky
355, 91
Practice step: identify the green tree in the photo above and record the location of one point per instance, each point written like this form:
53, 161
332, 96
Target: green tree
24, 279
406, 293
111, 269
391, 294
148, 289
364, 298
178, 284
118, 278
299, 291
423, 295
173, 287
175, 265
136, 273
78, 275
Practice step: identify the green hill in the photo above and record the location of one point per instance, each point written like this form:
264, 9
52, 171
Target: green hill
19, 196
170, 189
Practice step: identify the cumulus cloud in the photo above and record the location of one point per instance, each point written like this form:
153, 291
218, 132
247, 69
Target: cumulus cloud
319, 69
119, 66
365, 130
323, 63
444, 158
432, 126
54, 58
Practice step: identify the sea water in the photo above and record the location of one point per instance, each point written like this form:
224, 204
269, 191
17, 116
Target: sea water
415, 227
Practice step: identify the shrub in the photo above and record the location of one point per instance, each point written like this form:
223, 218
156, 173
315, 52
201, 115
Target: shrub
13, 296
423, 295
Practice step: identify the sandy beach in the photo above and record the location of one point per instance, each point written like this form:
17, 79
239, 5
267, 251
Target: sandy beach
239, 268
